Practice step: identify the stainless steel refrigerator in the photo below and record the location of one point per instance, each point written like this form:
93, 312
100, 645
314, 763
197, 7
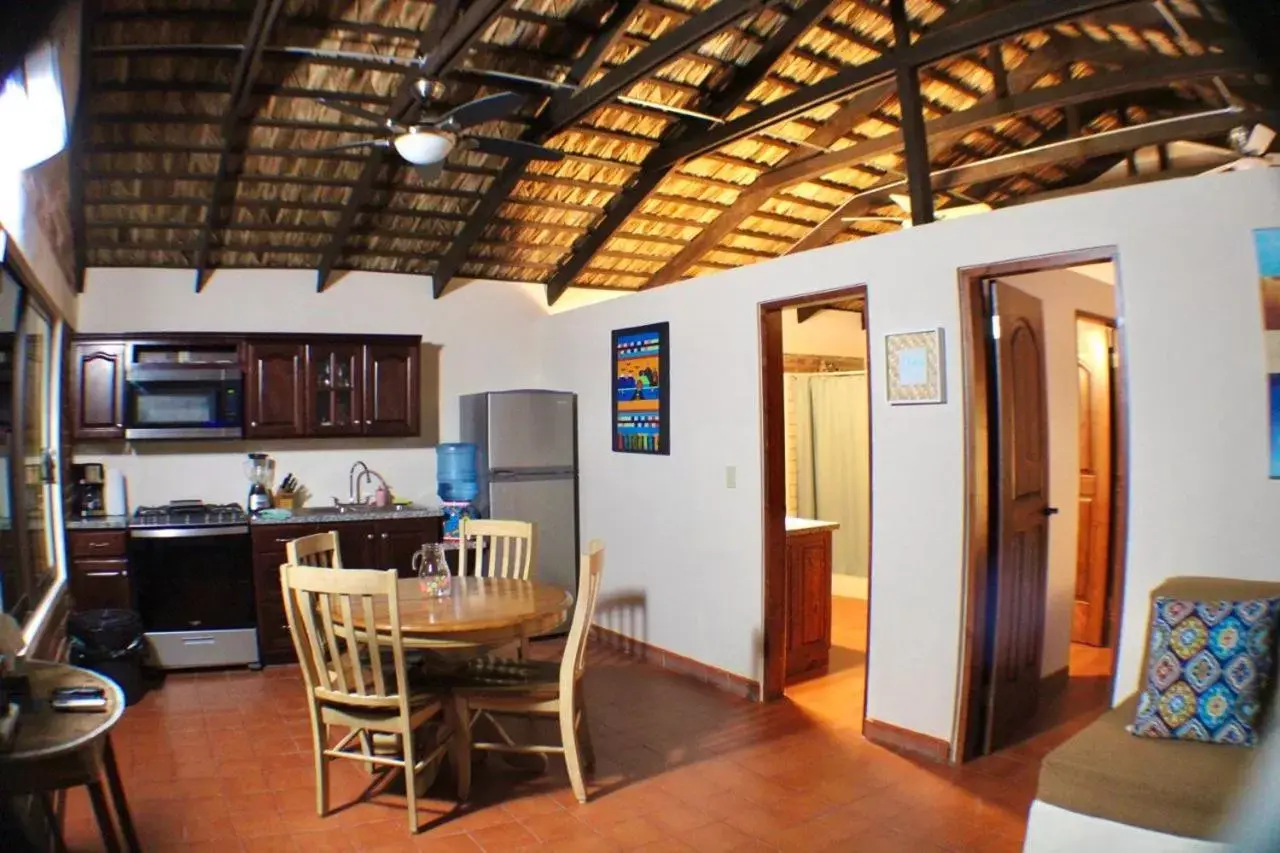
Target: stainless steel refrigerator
527, 465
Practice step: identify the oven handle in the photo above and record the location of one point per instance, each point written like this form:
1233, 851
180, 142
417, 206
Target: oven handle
187, 532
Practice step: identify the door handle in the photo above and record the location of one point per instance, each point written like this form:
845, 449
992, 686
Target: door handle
99, 544
103, 574
1049, 510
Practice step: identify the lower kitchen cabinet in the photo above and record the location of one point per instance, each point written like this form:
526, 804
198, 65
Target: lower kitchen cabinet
99, 584
384, 543
808, 604
99, 573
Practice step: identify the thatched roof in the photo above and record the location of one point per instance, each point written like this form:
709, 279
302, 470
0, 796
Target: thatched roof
159, 141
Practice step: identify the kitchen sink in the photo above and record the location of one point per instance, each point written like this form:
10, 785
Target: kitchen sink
345, 507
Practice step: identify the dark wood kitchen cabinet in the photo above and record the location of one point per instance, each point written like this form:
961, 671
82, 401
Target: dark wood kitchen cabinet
274, 385
335, 389
99, 572
97, 390
392, 394
381, 543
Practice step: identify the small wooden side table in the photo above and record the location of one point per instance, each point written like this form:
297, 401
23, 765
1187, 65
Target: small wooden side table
56, 750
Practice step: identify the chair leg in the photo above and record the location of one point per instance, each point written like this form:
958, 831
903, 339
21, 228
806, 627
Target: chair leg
410, 789
572, 755
102, 813
366, 747
461, 743
116, 789
584, 735
54, 824
321, 743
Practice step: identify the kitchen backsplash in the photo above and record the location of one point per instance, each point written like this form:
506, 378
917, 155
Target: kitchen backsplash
156, 476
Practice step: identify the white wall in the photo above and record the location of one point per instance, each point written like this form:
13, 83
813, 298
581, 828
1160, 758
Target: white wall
488, 333
825, 333
1200, 498
1062, 293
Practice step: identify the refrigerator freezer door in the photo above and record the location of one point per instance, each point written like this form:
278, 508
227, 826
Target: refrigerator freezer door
531, 430
551, 504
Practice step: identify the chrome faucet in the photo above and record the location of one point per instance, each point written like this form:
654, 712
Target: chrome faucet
354, 479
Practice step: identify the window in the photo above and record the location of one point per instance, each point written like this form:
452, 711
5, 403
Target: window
30, 502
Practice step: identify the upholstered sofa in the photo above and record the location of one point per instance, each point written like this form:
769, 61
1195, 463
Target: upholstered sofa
1106, 790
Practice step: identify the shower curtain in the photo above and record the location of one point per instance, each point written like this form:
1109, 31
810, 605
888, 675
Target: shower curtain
833, 462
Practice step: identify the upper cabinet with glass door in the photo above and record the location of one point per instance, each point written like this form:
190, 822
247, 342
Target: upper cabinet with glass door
335, 385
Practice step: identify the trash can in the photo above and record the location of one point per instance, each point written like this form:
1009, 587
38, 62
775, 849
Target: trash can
111, 643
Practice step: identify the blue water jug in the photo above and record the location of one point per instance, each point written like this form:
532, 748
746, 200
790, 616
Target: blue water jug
456, 472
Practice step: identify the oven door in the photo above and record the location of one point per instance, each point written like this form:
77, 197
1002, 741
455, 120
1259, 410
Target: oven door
193, 578
182, 403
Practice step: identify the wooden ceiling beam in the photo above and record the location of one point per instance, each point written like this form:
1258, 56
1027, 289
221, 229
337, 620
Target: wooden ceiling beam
242, 79
790, 173
733, 96
444, 42
1119, 141
997, 25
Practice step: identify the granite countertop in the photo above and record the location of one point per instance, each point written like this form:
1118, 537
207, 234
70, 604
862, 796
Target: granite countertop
327, 515
809, 525
107, 522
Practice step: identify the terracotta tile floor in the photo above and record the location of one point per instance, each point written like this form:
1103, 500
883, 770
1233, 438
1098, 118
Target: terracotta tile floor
222, 762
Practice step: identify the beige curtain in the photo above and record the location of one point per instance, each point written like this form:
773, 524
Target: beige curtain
833, 461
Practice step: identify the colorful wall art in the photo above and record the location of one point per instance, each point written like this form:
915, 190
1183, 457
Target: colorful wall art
1267, 242
641, 412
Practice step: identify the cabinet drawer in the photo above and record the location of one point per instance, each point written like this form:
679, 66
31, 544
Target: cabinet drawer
271, 539
97, 584
97, 543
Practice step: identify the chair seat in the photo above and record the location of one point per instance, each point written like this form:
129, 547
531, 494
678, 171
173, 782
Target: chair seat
497, 675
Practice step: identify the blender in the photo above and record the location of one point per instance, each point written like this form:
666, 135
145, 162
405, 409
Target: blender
261, 470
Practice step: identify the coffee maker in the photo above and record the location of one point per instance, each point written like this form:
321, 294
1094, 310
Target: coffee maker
87, 494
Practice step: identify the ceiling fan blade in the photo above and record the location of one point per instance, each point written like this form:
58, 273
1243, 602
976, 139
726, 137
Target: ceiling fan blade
357, 112
364, 143
430, 173
512, 148
481, 110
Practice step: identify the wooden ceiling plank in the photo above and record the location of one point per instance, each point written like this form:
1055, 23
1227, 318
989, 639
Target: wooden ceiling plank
444, 41
247, 67
1195, 126
997, 25
500, 190
789, 173
730, 98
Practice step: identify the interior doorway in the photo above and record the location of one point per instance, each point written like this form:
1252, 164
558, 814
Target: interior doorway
817, 501
1046, 459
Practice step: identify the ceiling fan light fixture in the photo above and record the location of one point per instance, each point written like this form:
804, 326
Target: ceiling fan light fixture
423, 149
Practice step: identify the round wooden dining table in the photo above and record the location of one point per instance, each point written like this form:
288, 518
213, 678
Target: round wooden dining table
478, 613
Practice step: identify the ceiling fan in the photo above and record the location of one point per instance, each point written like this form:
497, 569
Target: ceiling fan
1251, 146
426, 143
904, 202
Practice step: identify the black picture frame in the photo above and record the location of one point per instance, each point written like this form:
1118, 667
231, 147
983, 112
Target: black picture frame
635, 353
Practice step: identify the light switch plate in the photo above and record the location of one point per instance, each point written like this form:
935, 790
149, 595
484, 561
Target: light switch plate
731, 477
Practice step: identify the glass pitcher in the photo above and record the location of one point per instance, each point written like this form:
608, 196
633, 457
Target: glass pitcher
432, 569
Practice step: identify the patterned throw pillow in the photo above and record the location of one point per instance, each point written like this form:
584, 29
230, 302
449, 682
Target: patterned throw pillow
1210, 662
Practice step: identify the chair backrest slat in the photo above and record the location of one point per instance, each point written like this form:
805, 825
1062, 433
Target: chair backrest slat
318, 549
495, 548
323, 607
590, 574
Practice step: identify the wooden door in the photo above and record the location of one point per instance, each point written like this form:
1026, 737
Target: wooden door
358, 542
808, 604
98, 390
1094, 354
274, 391
392, 397
335, 402
1021, 530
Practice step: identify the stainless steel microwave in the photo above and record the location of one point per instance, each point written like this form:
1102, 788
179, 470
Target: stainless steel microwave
165, 401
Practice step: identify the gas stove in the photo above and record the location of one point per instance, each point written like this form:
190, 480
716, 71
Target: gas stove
189, 514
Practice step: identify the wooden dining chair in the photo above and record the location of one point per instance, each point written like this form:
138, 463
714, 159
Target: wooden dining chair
318, 549
343, 688
540, 688
495, 548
